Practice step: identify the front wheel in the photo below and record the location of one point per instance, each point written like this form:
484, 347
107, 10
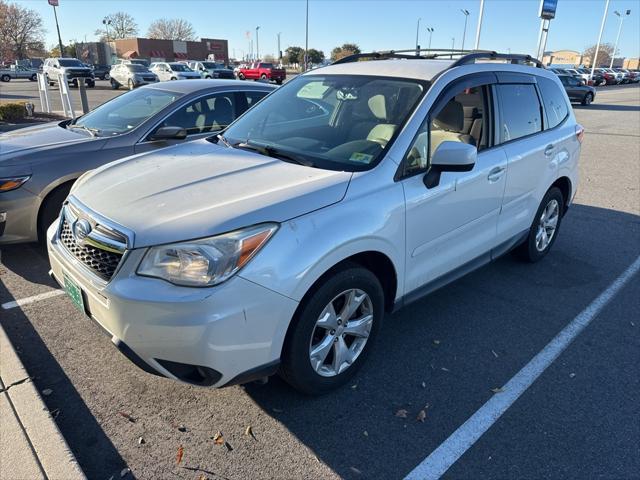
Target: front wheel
545, 227
588, 98
130, 84
241, 76
279, 82
33, 77
106, 77
114, 85
5, 78
333, 331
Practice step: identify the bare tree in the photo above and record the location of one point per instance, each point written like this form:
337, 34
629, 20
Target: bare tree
604, 54
21, 31
171, 29
122, 26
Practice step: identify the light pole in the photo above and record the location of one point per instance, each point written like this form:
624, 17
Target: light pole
453, 44
466, 17
257, 45
279, 51
417, 35
477, 45
306, 38
430, 30
595, 55
54, 4
615, 47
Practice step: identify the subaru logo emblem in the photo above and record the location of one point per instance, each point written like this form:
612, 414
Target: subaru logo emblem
81, 229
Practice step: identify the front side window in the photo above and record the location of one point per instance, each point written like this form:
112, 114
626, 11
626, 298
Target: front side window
554, 102
70, 62
179, 67
206, 114
126, 112
338, 122
464, 117
521, 112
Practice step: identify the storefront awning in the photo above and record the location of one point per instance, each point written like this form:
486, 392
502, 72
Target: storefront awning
181, 56
130, 54
157, 54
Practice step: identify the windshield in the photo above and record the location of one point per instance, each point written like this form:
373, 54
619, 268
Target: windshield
212, 65
179, 67
126, 112
134, 67
337, 122
70, 62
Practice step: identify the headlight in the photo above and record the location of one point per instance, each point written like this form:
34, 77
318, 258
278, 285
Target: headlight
208, 261
11, 183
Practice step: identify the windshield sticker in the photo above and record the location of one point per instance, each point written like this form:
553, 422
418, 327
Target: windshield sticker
361, 157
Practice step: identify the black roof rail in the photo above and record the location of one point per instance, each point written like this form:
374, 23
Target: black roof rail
465, 56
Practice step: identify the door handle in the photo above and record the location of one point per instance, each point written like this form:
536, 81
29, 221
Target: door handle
549, 150
495, 174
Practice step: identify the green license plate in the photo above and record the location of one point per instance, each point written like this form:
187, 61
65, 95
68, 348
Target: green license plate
74, 292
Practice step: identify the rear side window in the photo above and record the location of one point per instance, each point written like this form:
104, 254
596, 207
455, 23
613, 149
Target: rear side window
520, 111
554, 103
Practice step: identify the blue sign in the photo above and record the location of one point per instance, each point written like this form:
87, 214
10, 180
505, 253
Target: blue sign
548, 9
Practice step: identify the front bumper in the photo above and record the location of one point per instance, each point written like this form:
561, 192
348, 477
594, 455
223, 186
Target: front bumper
230, 331
20, 209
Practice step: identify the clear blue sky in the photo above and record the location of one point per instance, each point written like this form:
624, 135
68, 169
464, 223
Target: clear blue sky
372, 24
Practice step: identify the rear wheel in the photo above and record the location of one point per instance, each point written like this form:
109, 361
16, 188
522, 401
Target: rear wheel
263, 76
279, 82
115, 85
588, 98
241, 76
106, 77
333, 331
545, 227
33, 77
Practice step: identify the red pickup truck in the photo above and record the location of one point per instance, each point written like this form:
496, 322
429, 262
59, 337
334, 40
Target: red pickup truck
262, 71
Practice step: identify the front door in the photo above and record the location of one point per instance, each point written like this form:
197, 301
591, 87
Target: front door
453, 222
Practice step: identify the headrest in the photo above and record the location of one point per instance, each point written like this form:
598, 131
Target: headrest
470, 112
451, 117
382, 133
377, 106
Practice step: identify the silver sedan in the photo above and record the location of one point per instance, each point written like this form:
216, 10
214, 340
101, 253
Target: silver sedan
39, 164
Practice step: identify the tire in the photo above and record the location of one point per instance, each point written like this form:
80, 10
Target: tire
296, 368
241, 76
130, 84
174, 78
588, 98
33, 77
5, 78
114, 85
530, 250
90, 83
106, 76
278, 82
50, 209
263, 76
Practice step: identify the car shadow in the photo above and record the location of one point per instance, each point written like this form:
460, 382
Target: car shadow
444, 354
604, 106
18, 259
96, 454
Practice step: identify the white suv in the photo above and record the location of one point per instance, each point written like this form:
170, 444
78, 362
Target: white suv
279, 245
72, 69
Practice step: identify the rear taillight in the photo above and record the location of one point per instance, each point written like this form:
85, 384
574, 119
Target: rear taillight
580, 133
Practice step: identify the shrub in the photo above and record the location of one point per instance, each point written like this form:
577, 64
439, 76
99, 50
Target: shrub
12, 112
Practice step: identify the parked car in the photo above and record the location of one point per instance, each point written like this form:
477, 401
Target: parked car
566, 71
39, 164
577, 91
103, 72
596, 79
17, 71
618, 76
279, 244
70, 68
211, 69
137, 61
609, 77
173, 71
627, 75
262, 71
131, 75
583, 77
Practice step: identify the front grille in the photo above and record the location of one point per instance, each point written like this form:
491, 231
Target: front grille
101, 262
149, 79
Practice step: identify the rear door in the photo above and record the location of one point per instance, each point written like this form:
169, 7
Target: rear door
532, 150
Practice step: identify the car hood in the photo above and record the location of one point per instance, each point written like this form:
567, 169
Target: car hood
39, 137
199, 189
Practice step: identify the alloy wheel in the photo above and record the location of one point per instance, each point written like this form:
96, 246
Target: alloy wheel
341, 332
547, 225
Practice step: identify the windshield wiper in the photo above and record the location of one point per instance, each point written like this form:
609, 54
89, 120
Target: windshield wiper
220, 138
92, 131
273, 152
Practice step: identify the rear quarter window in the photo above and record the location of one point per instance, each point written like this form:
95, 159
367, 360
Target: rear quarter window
521, 111
554, 101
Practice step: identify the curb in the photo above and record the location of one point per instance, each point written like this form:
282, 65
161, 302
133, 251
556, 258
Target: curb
32, 446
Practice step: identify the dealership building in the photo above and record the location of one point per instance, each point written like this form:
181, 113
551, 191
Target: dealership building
156, 50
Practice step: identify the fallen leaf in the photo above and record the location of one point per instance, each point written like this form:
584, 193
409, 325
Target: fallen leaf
124, 472
47, 391
497, 390
202, 477
179, 455
127, 416
249, 432
229, 447
355, 470
402, 413
365, 433
571, 375
141, 441
494, 354
421, 416
218, 439
444, 369
182, 428
436, 342
424, 385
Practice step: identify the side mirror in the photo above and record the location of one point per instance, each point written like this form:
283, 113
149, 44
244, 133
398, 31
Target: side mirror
450, 157
169, 133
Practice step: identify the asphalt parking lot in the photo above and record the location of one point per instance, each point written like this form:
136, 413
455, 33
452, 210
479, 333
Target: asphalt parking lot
446, 355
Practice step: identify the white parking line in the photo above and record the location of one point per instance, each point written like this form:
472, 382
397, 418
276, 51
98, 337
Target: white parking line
28, 300
439, 461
